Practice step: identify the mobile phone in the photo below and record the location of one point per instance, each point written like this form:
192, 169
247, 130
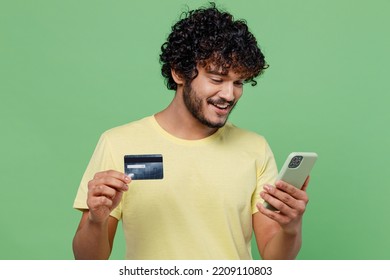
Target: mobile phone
295, 170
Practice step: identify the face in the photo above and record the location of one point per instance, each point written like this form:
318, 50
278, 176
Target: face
212, 95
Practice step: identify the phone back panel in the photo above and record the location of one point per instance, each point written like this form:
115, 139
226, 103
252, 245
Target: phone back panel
297, 167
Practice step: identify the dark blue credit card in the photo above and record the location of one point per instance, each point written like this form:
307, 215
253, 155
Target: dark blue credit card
144, 167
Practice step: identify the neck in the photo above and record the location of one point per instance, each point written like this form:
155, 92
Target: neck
179, 122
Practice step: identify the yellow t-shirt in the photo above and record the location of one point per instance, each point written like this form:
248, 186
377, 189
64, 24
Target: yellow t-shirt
202, 208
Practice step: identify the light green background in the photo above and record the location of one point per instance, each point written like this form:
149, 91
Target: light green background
71, 69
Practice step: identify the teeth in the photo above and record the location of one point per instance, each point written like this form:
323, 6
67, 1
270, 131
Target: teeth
221, 106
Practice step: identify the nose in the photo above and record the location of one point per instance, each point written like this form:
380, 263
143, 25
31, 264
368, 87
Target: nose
227, 92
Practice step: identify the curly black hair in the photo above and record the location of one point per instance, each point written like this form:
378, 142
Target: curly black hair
210, 36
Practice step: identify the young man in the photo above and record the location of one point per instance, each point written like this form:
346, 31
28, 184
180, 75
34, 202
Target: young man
216, 176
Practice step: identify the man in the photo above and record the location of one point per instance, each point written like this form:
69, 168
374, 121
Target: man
216, 176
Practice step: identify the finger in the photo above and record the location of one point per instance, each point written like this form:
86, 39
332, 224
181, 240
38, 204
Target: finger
102, 190
283, 201
291, 190
103, 197
117, 199
276, 216
114, 174
278, 196
285, 214
98, 202
112, 182
279, 200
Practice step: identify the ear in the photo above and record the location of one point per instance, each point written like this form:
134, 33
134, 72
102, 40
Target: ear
177, 78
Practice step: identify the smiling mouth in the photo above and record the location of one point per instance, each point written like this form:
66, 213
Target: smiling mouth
222, 108
223, 105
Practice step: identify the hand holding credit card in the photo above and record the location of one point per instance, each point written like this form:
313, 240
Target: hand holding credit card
144, 167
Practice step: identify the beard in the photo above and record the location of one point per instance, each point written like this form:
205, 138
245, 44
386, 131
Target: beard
194, 106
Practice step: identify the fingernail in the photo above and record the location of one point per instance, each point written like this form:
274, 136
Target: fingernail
267, 188
262, 194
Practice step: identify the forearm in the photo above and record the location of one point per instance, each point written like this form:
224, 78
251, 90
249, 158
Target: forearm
91, 241
283, 246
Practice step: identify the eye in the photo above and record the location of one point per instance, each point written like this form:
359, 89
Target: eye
239, 83
216, 80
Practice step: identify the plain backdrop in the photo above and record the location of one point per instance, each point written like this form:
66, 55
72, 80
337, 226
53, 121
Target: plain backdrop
70, 70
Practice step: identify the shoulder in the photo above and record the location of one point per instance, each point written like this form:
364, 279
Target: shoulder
247, 142
242, 135
129, 129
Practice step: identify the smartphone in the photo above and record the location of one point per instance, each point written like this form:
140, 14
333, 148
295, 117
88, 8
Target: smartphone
295, 170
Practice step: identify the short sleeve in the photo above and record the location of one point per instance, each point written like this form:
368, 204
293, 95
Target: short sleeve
266, 174
101, 160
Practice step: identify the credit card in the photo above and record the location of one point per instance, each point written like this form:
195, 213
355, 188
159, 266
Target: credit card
144, 167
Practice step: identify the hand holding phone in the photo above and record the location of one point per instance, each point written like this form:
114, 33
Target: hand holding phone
295, 170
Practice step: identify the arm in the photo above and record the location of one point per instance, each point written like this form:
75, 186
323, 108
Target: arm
94, 240
95, 234
279, 234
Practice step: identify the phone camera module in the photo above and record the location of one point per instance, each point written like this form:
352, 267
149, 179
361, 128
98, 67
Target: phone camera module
295, 162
